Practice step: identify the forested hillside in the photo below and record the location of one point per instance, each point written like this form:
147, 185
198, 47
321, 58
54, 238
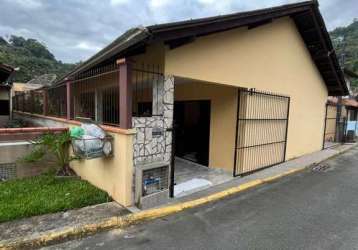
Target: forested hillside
32, 57
345, 40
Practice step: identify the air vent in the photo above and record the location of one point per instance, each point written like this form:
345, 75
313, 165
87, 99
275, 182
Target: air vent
154, 180
7, 171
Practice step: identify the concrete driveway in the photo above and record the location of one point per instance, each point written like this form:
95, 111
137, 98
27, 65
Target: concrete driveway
316, 209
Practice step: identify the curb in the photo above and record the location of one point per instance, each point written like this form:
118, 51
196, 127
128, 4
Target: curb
131, 219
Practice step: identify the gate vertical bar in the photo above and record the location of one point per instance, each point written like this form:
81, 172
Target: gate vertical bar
325, 125
287, 120
237, 131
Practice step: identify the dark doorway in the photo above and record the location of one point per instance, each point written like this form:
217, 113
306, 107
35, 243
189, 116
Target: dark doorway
4, 107
192, 130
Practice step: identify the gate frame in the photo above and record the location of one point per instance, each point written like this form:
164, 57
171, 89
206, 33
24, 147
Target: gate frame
339, 120
251, 91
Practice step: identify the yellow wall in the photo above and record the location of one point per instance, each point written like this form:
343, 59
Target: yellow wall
222, 119
154, 55
114, 174
273, 58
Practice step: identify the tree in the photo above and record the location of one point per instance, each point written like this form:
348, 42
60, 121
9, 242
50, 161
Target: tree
32, 57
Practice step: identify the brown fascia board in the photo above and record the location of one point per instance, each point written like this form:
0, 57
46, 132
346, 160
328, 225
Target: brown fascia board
125, 41
6, 72
332, 54
205, 26
350, 73
6, 68
283, 9
151, 33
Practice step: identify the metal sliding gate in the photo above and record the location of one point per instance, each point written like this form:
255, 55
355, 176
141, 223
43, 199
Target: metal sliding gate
261, 130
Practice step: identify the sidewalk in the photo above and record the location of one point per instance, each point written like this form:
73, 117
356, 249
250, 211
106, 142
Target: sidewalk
294, 165
39, 230
45, 229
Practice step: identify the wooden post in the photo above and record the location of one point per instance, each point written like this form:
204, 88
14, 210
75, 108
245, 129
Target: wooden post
32, 102
23, 102
68, 99
45, 102
125, 93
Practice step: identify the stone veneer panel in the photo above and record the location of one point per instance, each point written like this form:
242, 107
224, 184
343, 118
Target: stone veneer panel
152, 141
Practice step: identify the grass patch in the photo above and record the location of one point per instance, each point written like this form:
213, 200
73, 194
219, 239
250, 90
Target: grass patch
45, 194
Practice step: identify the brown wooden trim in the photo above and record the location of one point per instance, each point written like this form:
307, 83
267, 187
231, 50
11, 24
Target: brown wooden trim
21, 134
45, 103
77, 123
125, 93
20, 137
30, 130
317, 26
68, 100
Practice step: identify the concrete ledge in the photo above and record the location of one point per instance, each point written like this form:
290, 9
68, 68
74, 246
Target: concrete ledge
122, 221
77, 123
18, 134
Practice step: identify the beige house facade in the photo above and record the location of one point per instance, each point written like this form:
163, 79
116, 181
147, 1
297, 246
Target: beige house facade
236, 93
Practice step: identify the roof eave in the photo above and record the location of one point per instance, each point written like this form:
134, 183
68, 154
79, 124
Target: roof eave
204, 26
125, 41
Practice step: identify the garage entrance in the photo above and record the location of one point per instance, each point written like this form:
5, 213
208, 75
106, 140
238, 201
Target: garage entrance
261, 137
192, 130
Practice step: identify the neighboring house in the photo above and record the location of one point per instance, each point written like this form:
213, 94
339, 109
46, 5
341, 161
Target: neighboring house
341, 115
19, 87
350, 75
242, 92
6, 73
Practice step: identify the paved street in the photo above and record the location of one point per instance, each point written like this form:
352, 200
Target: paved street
310, 210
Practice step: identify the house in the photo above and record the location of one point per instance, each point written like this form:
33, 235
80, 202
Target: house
19, 87
350, 76
6, 73
341, 123
236, 93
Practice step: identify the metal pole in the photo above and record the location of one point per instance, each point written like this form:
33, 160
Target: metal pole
237, 131
325, 124
355, 129
172, 162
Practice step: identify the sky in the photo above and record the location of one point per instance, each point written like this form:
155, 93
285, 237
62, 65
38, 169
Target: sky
73, 30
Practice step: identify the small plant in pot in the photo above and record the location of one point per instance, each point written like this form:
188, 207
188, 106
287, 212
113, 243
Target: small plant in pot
56, 144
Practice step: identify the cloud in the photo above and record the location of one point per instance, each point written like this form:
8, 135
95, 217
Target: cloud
119, 2
75, 29
87, 46
158, 3
27, 4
